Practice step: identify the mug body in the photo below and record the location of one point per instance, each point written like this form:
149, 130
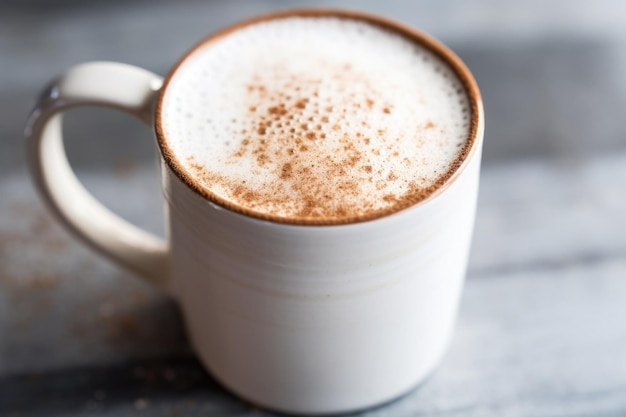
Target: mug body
321, 319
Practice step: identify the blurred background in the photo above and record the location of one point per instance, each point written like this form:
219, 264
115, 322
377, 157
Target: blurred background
542, 327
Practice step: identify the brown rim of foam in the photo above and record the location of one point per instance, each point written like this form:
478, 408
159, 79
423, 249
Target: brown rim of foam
440, 50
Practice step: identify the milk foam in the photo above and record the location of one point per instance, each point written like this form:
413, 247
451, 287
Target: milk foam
315, 118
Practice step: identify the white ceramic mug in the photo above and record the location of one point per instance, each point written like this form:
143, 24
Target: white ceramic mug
298, 318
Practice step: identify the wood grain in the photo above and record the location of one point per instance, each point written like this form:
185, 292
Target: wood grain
541, 329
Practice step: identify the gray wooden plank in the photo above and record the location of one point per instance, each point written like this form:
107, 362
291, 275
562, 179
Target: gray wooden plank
545, 215
541, 330
532, 344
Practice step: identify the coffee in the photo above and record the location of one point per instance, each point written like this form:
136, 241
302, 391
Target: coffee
315, 119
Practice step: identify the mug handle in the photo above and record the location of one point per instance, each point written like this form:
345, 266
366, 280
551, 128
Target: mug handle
109, 84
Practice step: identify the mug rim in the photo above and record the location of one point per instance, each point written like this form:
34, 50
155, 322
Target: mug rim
448, 57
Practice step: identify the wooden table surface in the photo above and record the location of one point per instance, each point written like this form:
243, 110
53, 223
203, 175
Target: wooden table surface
542, 325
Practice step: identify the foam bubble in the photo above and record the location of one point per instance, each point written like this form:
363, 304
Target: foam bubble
311, 117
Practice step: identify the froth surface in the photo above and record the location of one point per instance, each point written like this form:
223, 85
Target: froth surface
306, 118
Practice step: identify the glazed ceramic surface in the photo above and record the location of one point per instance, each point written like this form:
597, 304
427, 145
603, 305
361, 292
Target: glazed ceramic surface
299, 318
